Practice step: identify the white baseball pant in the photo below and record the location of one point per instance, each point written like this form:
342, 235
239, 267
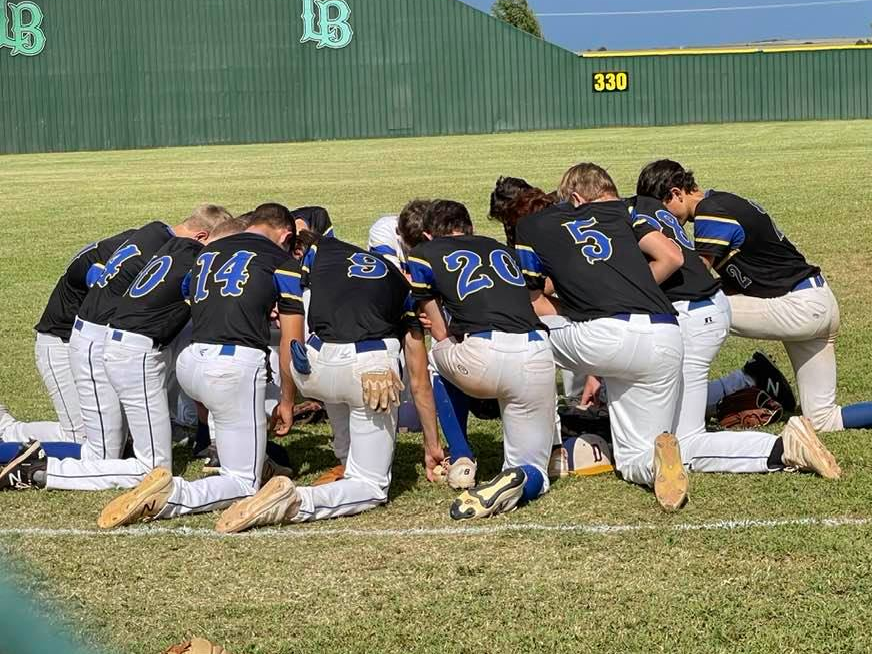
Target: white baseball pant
704, 328
230, 381
518, 370
105, 431
53, 363
336, 380
137, 372
807, 323
640, 363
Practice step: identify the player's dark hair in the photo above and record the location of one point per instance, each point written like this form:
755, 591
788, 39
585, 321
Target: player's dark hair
506, 190
531, 201
317, 218
658, 178
307, 239
445, 217
411, 222
277, 216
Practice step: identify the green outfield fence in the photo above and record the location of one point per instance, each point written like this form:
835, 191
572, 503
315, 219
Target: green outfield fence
114, 74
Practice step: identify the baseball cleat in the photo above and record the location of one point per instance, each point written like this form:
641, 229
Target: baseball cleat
141, 504
276, 503
558, 464
804, 451
18, 473
272, 469
670, 477
762, 369
334, 474
461, 473
499, 495
211, 463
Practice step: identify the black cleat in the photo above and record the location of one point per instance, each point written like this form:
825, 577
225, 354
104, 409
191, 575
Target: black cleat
769, 378
499, 495
211, 463
18, 473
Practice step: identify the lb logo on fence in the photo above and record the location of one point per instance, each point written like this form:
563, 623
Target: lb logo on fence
326, 23
20, 28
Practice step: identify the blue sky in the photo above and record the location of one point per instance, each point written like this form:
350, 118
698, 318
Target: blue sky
706, 28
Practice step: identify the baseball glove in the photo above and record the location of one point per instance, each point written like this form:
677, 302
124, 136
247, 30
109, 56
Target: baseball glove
309, 413
575, 422
749, 408
196, 646
381, 389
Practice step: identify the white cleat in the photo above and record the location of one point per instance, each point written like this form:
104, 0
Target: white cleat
804, 451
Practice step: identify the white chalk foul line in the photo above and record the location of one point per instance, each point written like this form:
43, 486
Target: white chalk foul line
300, 533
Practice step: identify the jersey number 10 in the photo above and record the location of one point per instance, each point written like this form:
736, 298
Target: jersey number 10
232, 276
468, 263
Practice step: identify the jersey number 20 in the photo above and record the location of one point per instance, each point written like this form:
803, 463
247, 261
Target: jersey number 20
232, 276
468, 263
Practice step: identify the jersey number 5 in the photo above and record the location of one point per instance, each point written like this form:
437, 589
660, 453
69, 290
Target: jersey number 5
468, 263
595, 246
232, 276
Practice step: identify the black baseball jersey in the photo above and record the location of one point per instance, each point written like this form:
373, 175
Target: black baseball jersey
593, 257
235, 283
692, 281
121, 269
156, 304
356, 295
72, 287
479, 282
751, 254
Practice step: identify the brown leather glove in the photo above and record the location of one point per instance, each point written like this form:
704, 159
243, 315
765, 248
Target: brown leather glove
381, 389
749, 408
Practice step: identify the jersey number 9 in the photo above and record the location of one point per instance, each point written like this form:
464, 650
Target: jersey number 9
468, 263
366, 266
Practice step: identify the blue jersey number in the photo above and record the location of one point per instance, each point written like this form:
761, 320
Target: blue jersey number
232, 276
595, 246
366, 266
468, 264
666, 219
116, 261
151, 277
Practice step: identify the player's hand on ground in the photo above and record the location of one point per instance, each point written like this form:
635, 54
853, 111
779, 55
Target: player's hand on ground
284, 418
433, 458
590, 394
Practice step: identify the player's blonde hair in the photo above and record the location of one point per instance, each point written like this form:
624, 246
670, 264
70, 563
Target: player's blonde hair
231, 226
589, 181
207, 217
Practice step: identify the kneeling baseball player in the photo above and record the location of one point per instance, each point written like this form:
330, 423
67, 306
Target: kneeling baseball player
495, 348
774, 293
359, 314
235, 284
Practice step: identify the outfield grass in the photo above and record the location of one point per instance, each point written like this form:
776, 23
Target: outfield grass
771, 587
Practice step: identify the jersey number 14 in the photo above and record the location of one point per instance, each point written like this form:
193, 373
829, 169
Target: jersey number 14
232, 276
